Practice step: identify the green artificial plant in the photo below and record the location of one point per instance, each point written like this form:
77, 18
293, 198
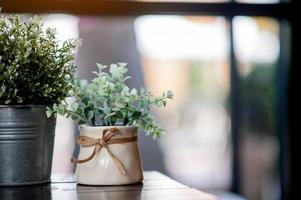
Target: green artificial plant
108, 101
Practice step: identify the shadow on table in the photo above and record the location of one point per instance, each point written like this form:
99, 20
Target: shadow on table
37, 192
109, 192
73, 191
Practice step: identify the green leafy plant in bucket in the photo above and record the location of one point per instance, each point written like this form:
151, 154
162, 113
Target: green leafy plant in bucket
108, 101
34, 67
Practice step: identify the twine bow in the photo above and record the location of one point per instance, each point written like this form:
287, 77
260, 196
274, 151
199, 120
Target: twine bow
107, 139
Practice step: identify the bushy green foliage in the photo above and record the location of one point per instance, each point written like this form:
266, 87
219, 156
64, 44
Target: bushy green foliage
107, 101
34, 68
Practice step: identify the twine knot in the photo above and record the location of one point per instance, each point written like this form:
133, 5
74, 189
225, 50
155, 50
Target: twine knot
103, 142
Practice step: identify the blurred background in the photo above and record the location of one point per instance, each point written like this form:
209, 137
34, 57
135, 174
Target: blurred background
228, 120
190, 56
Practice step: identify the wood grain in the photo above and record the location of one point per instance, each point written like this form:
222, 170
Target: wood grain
63, 187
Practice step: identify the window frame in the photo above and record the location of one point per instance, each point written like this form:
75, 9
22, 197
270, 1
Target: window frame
126, 8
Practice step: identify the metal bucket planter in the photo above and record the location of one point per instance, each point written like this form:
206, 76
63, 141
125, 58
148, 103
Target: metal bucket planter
26, 145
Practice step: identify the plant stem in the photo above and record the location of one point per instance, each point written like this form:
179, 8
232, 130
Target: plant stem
80, 117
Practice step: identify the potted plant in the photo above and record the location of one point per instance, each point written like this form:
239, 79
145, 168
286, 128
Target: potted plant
35, 72
111, 114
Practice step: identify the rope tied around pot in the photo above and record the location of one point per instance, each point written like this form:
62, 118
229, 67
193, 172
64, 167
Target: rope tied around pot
103, 142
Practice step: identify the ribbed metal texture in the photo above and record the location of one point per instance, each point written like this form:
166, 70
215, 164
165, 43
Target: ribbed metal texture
26, 145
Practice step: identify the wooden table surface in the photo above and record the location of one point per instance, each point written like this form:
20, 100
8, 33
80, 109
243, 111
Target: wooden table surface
63, 187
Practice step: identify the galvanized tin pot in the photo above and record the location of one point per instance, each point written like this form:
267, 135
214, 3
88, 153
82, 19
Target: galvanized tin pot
26, 145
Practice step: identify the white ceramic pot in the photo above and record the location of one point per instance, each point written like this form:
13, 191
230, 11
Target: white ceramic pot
102, 169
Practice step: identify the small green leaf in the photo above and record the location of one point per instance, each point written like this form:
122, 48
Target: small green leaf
170, 94
110, 115
116, 109
74, 106
49, 113
100, 67
119, 104
90, 115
